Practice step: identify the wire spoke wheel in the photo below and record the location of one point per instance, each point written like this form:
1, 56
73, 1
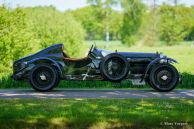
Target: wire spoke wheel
164, 77
114, 67
43, 77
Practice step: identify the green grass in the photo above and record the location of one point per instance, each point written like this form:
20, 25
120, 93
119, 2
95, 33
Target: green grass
95, 113
183, 53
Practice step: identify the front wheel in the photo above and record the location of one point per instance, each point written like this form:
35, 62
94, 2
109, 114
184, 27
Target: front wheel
164, 77
43, 77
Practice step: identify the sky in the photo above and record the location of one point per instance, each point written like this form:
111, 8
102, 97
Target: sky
63, 5
59, 4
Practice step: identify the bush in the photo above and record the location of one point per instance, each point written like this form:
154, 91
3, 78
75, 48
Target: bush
15, 38
52, 26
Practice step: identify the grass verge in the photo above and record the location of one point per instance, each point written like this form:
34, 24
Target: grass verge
96, 113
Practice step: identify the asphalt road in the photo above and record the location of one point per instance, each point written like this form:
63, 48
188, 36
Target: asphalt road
95, 93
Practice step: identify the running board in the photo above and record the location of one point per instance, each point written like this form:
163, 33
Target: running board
135, 76
83, 77
99, 77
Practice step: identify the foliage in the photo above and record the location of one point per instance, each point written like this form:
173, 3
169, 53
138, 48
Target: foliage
149, 32
190, 36
16, 39
52, 26
136, 22
175, 23
90, 21
133, 12
115, 25
94, 19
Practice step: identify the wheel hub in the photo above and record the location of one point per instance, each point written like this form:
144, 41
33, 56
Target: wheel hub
113, 67
43, 77
164, 77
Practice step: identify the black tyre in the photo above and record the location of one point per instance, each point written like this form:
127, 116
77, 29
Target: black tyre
163, 77
148, 82
114, 67
43, 77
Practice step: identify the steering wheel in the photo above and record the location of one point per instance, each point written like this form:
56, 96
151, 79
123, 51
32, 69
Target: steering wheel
92, 48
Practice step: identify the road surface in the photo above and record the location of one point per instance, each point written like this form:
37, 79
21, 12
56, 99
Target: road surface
95, 93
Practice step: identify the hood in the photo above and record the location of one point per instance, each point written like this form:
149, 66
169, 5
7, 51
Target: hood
139, 55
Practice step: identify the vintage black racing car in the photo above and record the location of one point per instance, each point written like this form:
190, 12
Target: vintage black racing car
46, 68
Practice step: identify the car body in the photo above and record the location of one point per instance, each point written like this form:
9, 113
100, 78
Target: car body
47, 67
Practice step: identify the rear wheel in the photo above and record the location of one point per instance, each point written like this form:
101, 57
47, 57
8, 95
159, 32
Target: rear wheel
43, 77
114, 67
164, 77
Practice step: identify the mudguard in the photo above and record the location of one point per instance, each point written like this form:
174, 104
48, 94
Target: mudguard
158, 60
48, 60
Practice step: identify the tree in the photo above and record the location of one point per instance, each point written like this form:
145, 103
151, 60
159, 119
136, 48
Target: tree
133, 12
115, 24
90, 23
175, 23
93, 20
52, 26
107, 10
190, 36
149, 30
16, 39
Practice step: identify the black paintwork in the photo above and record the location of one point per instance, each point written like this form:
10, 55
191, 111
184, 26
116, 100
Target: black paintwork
69, 68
